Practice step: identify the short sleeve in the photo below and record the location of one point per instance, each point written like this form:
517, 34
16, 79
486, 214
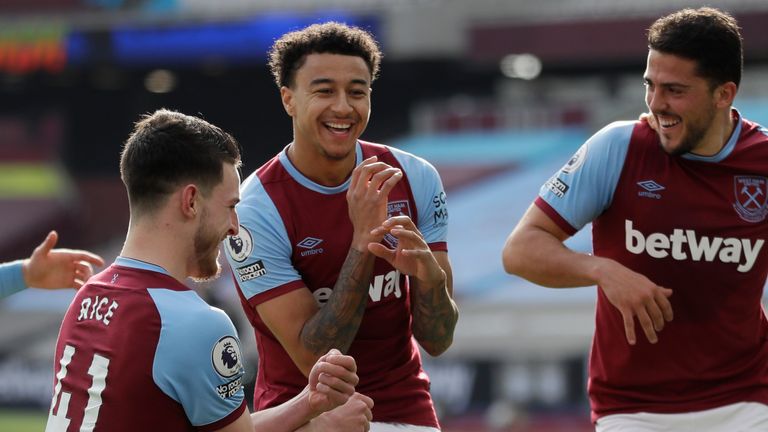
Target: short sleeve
429, 194
583, 188
260, 253
198, 361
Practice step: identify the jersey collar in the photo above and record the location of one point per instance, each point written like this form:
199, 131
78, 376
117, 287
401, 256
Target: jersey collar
138, 264
309, 184
727, 148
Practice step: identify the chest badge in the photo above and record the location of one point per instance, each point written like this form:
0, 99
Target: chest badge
396, 208
751, 193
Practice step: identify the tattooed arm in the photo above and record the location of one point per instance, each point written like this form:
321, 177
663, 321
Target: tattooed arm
304, 329
335, 324
433, 309
432, 306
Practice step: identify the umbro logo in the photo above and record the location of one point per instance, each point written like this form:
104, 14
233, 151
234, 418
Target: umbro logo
650, 185
310, 244
650, 189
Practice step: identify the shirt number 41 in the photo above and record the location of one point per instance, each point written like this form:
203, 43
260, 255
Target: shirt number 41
59, 422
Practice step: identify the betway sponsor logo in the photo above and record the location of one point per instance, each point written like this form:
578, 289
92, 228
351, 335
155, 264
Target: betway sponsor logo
385, 285
687, 245
381, 287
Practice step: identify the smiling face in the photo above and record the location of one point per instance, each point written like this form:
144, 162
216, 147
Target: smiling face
688, 111
330, 103
218, 220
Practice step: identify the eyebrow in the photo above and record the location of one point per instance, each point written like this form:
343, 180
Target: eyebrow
666, 84
319, 81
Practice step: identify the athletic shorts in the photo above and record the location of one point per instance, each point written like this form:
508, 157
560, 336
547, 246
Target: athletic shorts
738, 417
400, 427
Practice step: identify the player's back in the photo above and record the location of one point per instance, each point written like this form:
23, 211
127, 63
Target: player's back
116, 367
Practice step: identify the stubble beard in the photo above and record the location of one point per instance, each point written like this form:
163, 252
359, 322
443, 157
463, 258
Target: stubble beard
693, 136
206, 246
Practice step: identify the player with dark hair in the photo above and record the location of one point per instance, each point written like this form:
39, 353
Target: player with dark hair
678, 224
138, 349
344, 241
48, 268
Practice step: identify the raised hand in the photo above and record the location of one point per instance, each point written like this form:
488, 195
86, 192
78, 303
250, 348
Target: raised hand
367, 196
412, 256
51, 268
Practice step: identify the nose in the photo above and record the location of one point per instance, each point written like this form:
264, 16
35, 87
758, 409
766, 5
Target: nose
341, 104
654, 99
234, 224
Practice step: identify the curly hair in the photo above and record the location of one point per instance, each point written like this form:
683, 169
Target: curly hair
289, 52
706, 35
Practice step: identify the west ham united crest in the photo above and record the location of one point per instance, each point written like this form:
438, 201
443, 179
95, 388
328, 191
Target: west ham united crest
396, 208
751, 197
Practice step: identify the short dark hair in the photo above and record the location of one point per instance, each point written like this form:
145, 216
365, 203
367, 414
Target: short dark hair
288, 53
168, 148
706, 35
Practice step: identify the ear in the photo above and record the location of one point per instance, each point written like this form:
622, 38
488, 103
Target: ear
286, 95
189, 201
725, 94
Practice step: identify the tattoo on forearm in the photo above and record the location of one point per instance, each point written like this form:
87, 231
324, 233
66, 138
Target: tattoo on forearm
336, 323
434, 317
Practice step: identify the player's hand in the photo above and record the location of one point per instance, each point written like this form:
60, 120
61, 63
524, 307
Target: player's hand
412, 255
353, 416
367, 196
332, 381
650, 119
51, 268
635, 296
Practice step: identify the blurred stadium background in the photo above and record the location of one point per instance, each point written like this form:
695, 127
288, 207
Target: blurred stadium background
496, 93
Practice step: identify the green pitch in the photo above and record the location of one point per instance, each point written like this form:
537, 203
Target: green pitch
22, 421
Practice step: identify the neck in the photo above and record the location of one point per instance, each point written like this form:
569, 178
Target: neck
319, 167
718, 135
157, 242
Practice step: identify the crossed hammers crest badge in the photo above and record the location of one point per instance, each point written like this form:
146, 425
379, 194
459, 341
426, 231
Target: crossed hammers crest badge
751, 197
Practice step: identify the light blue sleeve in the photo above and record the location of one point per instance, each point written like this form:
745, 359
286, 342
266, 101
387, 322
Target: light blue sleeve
198, 359
260, 254
584, 186
11, 278
429, 194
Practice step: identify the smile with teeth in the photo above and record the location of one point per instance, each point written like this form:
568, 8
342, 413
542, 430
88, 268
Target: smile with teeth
668, 123
340, 127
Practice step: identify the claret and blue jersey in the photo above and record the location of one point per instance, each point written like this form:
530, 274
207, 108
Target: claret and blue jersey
138, 350
694, 224
297, 233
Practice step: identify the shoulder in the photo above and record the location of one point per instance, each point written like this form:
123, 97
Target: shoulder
616, 133
190, 328
608, 145
186, 312
409, 162
753, 132
255, 201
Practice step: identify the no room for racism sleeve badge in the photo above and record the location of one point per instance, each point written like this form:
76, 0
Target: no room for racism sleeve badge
226, 360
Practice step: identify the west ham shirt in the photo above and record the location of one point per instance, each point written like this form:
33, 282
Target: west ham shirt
297, 233
694, 224
140, 351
